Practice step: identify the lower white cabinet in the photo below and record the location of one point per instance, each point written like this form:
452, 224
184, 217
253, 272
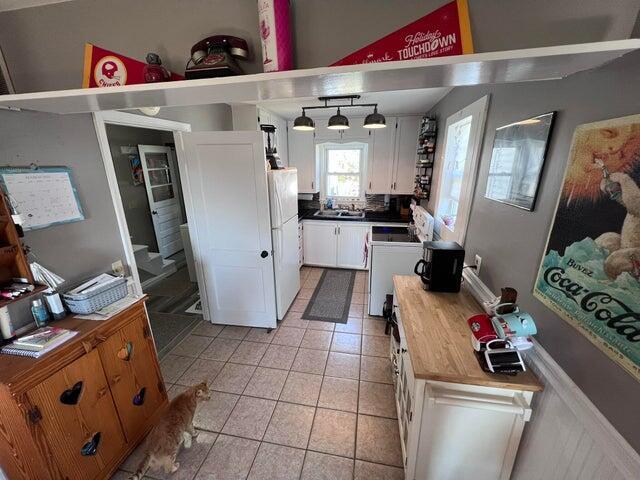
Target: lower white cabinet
452, 431
335, 244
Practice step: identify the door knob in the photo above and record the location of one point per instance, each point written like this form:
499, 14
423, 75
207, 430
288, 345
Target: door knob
264, 254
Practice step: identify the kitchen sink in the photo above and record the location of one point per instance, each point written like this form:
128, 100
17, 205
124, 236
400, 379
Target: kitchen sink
339, 214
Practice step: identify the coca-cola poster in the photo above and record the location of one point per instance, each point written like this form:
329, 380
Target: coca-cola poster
441, 33
590, 271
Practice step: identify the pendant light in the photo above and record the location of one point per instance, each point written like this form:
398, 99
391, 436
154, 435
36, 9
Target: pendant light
375, 120
338, 122
304, 123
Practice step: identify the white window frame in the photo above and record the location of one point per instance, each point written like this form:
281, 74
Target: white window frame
321, 153
478, 111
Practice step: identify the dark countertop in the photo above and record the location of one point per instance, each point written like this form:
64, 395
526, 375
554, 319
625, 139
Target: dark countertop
370, 217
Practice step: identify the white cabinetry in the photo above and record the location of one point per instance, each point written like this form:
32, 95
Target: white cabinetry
406, 148
335, 244
450, 431
302, 155
392, 165
352, 238
320, 243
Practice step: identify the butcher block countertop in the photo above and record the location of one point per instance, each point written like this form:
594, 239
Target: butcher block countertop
435, 326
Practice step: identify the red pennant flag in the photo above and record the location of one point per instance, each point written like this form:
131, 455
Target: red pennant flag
443, 32
103, 68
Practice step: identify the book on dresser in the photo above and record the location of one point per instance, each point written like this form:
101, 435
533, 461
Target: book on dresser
39, 342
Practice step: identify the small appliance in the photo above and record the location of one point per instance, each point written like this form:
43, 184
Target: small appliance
270, 150
502, 357
440, 268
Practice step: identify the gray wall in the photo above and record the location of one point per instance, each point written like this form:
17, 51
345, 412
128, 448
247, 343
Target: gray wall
134, 197
324, 30
511, 241
74, 250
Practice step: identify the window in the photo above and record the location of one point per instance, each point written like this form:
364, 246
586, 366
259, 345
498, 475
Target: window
462, 140
343, 167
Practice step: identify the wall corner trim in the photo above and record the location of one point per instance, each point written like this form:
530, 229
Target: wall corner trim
617, 449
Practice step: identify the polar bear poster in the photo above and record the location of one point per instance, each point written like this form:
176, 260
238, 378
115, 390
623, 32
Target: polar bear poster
590, 271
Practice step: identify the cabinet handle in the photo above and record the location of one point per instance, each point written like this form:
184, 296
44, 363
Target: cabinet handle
369, 185
138, 398
338, 230
312, 185
91, 447
335, 230
394, 185
404, 350
126, 352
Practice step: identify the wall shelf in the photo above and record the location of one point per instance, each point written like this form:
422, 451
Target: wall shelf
544, 63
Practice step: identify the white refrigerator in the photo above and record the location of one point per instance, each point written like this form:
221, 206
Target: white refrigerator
283, 200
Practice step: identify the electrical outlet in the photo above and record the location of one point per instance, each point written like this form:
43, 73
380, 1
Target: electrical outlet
478, 262
117, 267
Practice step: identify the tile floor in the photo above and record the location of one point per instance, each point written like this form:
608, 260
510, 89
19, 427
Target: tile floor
310, 400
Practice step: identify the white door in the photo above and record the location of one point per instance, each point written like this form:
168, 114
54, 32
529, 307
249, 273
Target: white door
406, 155
160, 179
302, 155
283, 195
285, 261
351, 245
224, 175
456, 176
380, 168
320, 243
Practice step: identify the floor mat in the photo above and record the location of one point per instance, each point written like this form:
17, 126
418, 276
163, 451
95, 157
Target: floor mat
332, 297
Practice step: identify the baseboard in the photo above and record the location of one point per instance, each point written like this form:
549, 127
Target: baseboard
626, 459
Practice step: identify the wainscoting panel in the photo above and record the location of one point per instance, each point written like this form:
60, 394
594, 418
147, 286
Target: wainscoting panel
567, 437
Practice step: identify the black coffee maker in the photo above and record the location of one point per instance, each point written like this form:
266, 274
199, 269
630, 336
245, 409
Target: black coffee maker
440, 267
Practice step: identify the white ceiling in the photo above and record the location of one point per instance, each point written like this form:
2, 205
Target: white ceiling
20, 4
389, 103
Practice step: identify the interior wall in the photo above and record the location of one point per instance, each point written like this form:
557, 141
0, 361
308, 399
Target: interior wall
73, 250
511, 241
324, 30
134, 197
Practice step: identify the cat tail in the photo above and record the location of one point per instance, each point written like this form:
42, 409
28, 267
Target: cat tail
142, 468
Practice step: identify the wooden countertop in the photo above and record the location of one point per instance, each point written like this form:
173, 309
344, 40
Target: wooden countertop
435, 326
21, 373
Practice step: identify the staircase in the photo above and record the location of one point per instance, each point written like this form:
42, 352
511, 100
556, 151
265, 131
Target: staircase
152, 262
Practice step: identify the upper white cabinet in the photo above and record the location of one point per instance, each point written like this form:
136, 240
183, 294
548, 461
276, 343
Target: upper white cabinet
406, 155
302, 155
392, 166
380, 168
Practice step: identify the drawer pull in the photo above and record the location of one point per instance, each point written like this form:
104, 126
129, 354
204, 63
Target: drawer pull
138, 398
126, 352
71, 395
91, 447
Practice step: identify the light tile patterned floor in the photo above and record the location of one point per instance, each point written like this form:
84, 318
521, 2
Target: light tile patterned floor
310, 400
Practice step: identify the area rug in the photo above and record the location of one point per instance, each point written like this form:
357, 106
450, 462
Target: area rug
331, 299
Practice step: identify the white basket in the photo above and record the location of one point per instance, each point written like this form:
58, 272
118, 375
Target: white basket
97, 299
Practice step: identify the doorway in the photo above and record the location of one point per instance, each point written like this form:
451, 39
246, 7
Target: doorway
144, 178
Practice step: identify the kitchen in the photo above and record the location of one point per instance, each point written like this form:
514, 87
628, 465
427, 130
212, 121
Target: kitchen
314, 370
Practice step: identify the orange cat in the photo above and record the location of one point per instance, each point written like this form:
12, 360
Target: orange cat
173, 429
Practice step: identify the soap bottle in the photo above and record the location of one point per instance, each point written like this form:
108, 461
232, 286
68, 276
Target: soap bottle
6, 327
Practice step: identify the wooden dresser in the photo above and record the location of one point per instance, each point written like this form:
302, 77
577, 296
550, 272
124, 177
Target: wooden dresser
456, 420
77, 412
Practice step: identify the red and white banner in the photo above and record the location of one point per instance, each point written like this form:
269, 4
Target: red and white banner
441, 33
103, 68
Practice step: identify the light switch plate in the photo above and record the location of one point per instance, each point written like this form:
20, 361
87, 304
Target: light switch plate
478, 262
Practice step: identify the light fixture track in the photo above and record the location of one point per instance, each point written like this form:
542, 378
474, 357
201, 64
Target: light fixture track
339, 121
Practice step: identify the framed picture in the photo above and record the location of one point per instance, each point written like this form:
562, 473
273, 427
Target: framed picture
590, 270
519, 151
136, 169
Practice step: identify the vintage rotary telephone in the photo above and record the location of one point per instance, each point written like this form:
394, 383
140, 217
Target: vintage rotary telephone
216, 57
